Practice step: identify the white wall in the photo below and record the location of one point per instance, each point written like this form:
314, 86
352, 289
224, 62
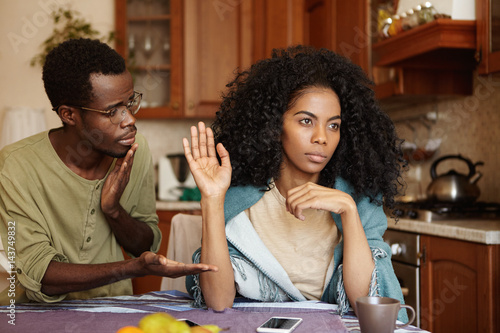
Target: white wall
24, 25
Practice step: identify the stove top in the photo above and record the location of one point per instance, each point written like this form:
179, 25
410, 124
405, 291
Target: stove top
429, 211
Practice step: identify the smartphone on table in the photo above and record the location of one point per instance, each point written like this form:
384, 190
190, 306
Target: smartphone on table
279, 325
189, 322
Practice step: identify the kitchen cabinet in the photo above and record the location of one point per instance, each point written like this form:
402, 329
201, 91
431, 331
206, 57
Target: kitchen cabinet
182, 52
149, 283
460, 285
339, 26
430, 62
149, 36
217, 37
276, 24
488, 36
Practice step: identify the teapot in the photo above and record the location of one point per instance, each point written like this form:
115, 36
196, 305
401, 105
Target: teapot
454, 187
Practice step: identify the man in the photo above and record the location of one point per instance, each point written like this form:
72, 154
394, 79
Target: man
71, 197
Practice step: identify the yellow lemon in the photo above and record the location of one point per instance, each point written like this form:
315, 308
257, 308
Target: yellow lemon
212, 328
199, 329
162, 323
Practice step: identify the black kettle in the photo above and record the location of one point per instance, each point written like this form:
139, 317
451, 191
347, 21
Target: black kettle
454, 187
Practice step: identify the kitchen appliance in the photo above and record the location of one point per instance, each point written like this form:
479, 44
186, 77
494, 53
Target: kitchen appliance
174, 177
405, 246
454, 187
406, 254
430, 211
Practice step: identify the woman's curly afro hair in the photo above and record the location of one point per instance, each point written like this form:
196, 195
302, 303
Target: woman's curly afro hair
67, 70
249, 122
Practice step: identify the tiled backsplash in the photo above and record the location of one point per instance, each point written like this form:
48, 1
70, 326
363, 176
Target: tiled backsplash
469, 126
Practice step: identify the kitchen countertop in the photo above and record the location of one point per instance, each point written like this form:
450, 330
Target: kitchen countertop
479, 231
178, 205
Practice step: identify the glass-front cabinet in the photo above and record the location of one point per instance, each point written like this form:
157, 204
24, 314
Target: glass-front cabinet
488, 36
149, 37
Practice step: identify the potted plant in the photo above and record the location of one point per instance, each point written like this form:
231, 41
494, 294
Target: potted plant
68, 24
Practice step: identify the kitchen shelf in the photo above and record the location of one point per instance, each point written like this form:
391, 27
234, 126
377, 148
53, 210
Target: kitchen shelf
431, 62
158, 67
149, 18
445, 36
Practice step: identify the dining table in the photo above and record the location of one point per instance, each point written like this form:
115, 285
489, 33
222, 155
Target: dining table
108, 314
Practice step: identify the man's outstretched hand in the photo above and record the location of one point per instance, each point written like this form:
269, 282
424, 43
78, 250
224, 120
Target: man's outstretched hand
156, 264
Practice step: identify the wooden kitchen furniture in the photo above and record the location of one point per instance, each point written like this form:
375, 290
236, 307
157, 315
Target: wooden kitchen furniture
149, 283
141, 28
208, 41
459, 273
460, 285
488, 36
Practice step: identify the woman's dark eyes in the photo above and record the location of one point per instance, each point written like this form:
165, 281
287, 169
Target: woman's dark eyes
307, 121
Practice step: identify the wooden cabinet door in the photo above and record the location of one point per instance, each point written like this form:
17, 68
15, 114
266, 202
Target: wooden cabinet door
319, 23
276, 24
352, 32
217, 37
149, 283
341, 26
459, 286
488, 36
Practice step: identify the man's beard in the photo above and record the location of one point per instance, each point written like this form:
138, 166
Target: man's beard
113, 154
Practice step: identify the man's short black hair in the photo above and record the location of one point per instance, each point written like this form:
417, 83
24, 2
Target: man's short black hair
67, 70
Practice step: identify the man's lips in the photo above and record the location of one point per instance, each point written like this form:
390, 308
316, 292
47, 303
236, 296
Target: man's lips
128, 139
316, 157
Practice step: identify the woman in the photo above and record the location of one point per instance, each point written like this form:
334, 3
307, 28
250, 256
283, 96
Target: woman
307, 161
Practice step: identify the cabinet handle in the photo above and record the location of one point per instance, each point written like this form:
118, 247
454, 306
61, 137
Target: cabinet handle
422, 255
175, 106
191, 105
478, 56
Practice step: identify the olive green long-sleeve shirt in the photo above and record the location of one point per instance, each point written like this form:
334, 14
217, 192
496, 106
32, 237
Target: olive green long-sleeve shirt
51, 213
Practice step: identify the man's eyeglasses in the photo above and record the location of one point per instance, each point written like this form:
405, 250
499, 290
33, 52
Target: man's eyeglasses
117, 114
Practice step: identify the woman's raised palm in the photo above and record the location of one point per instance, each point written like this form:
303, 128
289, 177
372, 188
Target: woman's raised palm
212, 178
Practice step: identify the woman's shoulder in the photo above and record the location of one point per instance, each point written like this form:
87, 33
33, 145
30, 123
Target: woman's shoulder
343, 185
363, 201
239, 198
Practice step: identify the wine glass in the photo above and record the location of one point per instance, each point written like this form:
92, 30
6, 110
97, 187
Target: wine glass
165, 48
131, 46
148, 45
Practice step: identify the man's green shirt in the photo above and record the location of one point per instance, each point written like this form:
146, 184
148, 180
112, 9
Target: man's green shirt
51, 213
